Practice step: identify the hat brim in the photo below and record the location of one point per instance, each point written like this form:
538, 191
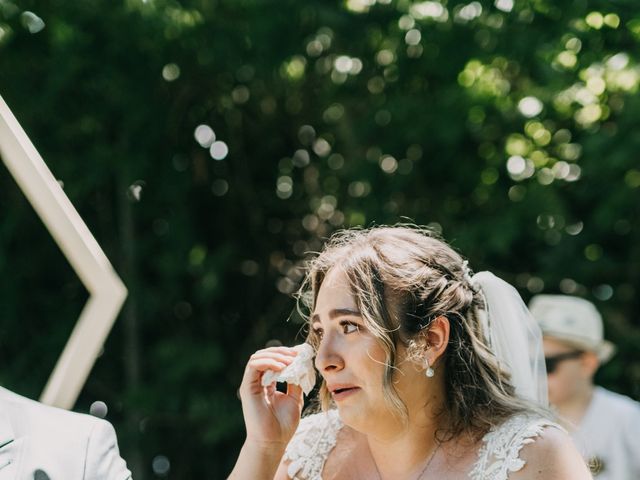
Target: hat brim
604, 350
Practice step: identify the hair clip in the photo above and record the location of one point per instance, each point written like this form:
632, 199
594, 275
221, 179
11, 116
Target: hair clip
466, 272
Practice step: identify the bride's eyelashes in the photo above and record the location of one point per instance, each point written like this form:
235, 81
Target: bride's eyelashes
348, 327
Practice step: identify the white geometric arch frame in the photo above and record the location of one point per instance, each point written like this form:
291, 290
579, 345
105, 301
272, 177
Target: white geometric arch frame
106, 291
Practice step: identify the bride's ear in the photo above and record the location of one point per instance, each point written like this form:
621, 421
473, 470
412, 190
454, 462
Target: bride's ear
436, 339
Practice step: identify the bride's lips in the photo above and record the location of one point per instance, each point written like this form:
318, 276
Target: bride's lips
340, 392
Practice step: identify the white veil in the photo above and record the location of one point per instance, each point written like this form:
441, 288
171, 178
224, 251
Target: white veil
514, 336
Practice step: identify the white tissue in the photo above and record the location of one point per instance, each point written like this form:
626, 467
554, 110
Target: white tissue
299, 372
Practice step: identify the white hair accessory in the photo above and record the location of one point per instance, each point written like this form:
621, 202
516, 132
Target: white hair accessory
466, 272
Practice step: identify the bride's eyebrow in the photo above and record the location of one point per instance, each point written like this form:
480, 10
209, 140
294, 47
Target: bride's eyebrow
337, 312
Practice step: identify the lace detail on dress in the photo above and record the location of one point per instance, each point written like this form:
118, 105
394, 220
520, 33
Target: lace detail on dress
500, 453
309, 448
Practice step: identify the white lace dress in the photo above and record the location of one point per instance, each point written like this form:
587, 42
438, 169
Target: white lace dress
499, 455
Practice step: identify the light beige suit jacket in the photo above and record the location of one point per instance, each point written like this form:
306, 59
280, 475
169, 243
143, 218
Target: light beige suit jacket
38, 442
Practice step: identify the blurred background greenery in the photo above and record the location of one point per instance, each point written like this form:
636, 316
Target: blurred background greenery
209, 144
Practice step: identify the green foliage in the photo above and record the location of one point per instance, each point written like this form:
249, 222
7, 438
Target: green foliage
509, 126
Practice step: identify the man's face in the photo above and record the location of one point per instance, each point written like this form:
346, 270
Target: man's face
570, 375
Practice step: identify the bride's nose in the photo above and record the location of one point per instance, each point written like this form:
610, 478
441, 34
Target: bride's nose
328, 357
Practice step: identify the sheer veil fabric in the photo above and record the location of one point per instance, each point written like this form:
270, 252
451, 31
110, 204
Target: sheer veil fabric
514, 336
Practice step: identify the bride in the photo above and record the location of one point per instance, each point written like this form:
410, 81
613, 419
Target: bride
427, 372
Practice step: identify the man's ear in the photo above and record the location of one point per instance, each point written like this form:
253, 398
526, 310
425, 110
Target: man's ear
590, 363
436, 339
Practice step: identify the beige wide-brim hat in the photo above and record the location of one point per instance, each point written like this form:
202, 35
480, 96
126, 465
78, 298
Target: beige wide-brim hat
573, 320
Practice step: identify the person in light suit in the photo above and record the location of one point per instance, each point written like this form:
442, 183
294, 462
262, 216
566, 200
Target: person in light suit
39, 442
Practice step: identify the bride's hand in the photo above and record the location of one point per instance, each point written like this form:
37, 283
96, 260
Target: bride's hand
271, 417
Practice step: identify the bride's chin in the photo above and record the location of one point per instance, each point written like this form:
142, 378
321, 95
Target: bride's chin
355, 417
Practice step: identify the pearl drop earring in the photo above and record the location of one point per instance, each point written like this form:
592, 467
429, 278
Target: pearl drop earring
429, 372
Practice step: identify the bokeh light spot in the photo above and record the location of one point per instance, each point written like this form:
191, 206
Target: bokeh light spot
574, 228
204, 135
284, 187
603, 292
595, 20
32, 22
161, 465
530, 106
219, 187
98, 409
335, 161
388, 164
171, 72
321, 147
568, 286
517, 193
632, 178
306, 134
593, 252
413, 37
516, 165
535, 285
219, 150
301, 158
504, 5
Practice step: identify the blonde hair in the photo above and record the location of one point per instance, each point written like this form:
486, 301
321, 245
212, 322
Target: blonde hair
403, 277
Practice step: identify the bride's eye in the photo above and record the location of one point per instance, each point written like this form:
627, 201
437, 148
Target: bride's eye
348, 327
317, 332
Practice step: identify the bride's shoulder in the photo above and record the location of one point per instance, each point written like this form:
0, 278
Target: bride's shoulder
552, 456
529, 446
519, 430
310, 446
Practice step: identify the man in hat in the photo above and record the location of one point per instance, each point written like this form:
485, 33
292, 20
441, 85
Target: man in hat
604, 424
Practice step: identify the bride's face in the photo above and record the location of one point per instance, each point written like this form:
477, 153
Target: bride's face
351, 359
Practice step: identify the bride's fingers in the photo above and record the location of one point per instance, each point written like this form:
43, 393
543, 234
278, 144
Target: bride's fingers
273, 358
270, 390
295, 391
262, 364
255, 369
288, 351
274, 355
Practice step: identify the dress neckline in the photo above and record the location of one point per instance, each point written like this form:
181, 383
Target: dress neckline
497, 457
